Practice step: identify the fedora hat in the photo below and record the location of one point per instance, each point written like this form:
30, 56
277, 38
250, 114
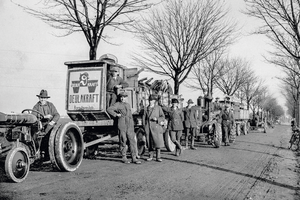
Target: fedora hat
43, 94
174, 101
123, 94
190, 101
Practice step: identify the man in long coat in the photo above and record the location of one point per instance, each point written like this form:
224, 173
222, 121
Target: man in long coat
114, 83
153, 118
227, 122
126, 127
175, 124
192, 119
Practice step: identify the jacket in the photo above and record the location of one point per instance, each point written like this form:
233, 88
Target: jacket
125, 122
227, 118
47, 109
176, 118
111, 83
192, 117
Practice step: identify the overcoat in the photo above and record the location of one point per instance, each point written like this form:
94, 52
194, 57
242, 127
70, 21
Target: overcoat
153, 129
125, 122
192, 116
46, 109
227, 118
175, 118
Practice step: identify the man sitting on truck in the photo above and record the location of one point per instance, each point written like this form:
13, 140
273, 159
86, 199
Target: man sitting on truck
114, 83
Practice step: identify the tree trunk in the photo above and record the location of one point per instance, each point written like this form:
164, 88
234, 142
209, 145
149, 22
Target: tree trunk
93, 52
176, 85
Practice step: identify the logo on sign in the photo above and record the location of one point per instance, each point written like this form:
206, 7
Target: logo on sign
84, 82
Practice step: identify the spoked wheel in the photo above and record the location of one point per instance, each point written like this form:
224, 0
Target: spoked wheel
294, 144
141, 141
170, 146
17, 164
68, 147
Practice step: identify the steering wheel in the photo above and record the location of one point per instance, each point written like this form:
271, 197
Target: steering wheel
35, 111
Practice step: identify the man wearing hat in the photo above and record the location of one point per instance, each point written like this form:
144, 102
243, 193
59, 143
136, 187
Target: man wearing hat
50, 114
114, 83
227, 122
175, 124
122, 111
191, 120
153, 119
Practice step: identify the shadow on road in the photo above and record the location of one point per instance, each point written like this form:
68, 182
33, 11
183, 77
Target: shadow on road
237, 173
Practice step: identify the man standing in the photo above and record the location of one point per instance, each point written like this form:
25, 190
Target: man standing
175, 124
50, 114
114, 83
227, 122
190, 123
122, 111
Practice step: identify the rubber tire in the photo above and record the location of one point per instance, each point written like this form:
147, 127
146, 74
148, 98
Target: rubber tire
141, 141
232, 134
71, 132
170, 146
9, 162
217, 135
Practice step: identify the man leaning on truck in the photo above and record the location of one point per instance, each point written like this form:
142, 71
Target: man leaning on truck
114, 83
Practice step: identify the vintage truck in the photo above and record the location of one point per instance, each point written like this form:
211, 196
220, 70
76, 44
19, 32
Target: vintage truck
89, 123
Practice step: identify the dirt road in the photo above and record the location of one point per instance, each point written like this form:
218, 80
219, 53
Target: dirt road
257, 166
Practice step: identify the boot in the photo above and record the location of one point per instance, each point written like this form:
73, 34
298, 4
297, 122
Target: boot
150, 156
192, 143
158, 159
125, 160
176, 152
186, 142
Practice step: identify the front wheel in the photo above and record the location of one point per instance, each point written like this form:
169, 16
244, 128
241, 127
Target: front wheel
17, 164
68, 147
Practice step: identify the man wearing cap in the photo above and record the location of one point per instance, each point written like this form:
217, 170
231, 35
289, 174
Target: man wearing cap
121, 110
227, 122
114, 83
175, 124
153, 119
191, 119
50, 114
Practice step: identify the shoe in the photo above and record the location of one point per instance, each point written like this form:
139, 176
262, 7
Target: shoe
125, 160
193, 148
159, 160
149, 159
227, 144
136, 162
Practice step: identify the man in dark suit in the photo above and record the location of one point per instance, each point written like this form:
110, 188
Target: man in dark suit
114, 83
191, 121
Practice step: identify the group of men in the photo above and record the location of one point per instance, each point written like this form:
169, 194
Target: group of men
180, 120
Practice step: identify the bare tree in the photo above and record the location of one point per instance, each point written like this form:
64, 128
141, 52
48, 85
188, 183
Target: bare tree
236, 74
88, 16
180, 34
206, 72
281, 24
252, 88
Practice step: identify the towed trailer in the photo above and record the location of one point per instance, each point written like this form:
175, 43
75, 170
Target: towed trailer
21, 135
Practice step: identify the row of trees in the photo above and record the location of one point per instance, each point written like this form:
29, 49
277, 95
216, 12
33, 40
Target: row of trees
184, 40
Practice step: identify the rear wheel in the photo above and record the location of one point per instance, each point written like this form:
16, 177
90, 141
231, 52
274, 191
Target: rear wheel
17, 164
68, 147
170, 146
217, 135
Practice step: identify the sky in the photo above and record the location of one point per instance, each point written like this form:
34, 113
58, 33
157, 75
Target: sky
32, 57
